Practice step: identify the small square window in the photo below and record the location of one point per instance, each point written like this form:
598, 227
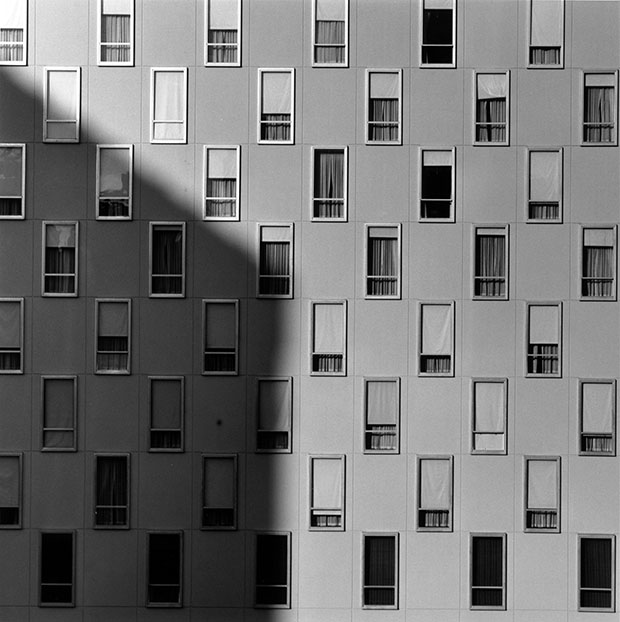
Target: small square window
380, 571
115, 32
488, 571
597, 417
219, 492
546, 31
221, 182
381, 415
61, 105
276, 106
542, 494
438, 33
329, 188
13, 32
57, 567
274, 414
166, 394
12, 180
167, 266
59, 413
598, 263
384, 106
383, 261
600, 108
165, 564
10, 491
489, 412
112, 491
329, 339
11, 335
435, 490
60, 259
437, 183
330, 33
544, 343
223, 33
436, 339
114, 182
273, 570
492, 108
597, 572
491, 263
327, 492
168, 105
221, 337
113, 321
275, 267
544, 186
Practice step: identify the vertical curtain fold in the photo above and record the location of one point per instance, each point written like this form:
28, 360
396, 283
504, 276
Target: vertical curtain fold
329, 184
490, 265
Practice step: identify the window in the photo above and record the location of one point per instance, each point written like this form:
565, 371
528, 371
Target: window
219, 492
59, 406
113, 321
436, 339
492, 108
223, 28
597, 573
544, 329
115, 32
166, 395
61, 107
111, 491
274, 407
275, 269
489, 411
12, 180
438, 33
57, 569
167, 267
383, 106
327, 492
330, 33
60, 260
221, 189
598, 263
545, 186
11, 335
10, 491
329, 190
437, 184
221, 337
114, 181
13, 32
542, 494
597, 417
491, 262
488, 571
435, 493
546, 33
276, 106
381, 415
383, 261
380, 567
599, 108
165, 563
273, 570
168, 105
329, 339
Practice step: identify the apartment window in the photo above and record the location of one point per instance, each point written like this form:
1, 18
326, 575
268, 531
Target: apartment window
598, 263
383, 106
59, 405
168, 105
61, 105
221, 185
60, 261
491, 262
223, 28
545, 186
276, 103
10, 491
436, 339
381, 415
329, 189
435, 493
113, 321
597, 417
330, 33
57, 566
114, 181
166, 395
380, 567
438, 33
489, 411
11, 335
167, 268
115, 32
492, 108
597, 572
13, 32
437, 185
273, 570
275, 269
329, 339
383, 261
544, 339
219, 492
221, 337
111, 491
274, 408
165, 563
488, 571
599, 108
12, 180
546, 33
542, 494
327, 492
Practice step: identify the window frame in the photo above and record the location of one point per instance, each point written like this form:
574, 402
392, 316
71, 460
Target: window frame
207, 62
124, 372
339, 511
168, 224
491, 143
419, 509
205, 315
344, 64
614, 278
126, 506
24, 42
101, 44
205, 178
291, 259
528, 186
21, 302
452, 217
528, 61
167, 604
611, 382
291, 122
78, 90
181, 429
582, 107
22, 197
394, 535
204, 458
527, 459
478, 231
474, 432
44, 429
399, 261
366, 431
98, 197
73, 556
558, 306
422, 64
503, 537
20, 489
287, 604
345, 184
612, 540
311, 348
443, 303
75, 274
367, 121
153, 121
289, 401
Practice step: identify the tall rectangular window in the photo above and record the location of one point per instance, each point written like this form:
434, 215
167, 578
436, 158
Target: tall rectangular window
276, 106
61, 105
114, 181
488, 571
492, 108
221, 337
273, 570
10, 491
598, 263
544, 330
435, 490
546, 30
327, 492
59, 406
329, 185
491, 262
12, 180
219, 492
11, 335
13, 32
380, 571
165, 569
489, 411
168, 105
223, 32
57, 568
60, 259
329, 339
166, 395
113, 321
438, 33
275, 267
437, 183
115, 32
545, 186
436, 339
542, 494
111, 491
330, 33
600, 108
597, 572
274, 414
597, 417
381, 415
383, 106
167, 266
221, 182
383, 261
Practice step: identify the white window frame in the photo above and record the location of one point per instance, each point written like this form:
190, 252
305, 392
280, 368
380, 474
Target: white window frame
582, 434
491, 231
291, 122
504, 417
181, 226
381, 534
367, 121
612, 590
287, 604
582, 108
315, 63
501, 607
154, 121
289, 403
491, 143
55, 604
419, 522
443, 303
207, 62
528, 374
528, 188
397, 278
312, 347
345, 184
22, 196
205, 179
181, 429
531, 46
205, 318
160, 604
23, 24
128, 198
127, 369
451, 217
46, 120
291, 258
531, 509
126, 506
204, 461
75, 274
314, 511
449, 65
101, 44
582, 246
368, 433
73, 429
19, 370
19, 491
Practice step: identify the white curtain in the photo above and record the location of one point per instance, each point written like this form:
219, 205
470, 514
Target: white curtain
219, 483
544, 324
542, 484
11, 167
547, 23
436, 158
436, 329
273, 405
545, 176
331, 10
438, 4
328, 328
326, 484
61, 100
489, 416
223, 14
169, 108
384, 85
114, 172
492, 86
276, 92
381, 402
435, 484
597, 407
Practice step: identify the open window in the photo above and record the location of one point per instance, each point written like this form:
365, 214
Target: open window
381, 415
223, 33
599, 110
542, 494
13, 32
491, 263
329, 338
330, 33
10, 491
597, 417
275, 267
12, 180
436, 339
167, 259
59, 413
112, 491
544, 342
546, 31
492, 108
165, 566
11, 335
166, 394
437, 183
489, 414
114, 182
329, 186
221, 337
219, 491
435, 491
57, 569
438, 33
115, 32
113, 321
598, 263
327, 492
221, 182
544, 185
168, 105
383, 106
383, 261
380, 571
488, 571
597, 572
273, 570
274, 414
276, 106
60, 259
61, 105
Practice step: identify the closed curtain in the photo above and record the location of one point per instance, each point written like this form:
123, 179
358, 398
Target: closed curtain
598, 262
547, 29
328, 335
487, 571
60, 259
167, 261
598, 114
489, 416
12, 24
328, 184
382, 265
381, 414
221, 183
11, 165
597, 407
595, 573
436, 347
326, 485
274, 268
492, 94
112, 492
116, 38
330, 29
435, 492
545, 184
273, 414
62, 104
58, 409
490, 265
169, 105
113, 336
10, 335
379, 570
543, 339
223, 24
276, 106
384, 112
